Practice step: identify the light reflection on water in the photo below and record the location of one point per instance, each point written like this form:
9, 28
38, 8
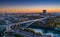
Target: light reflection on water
47, 32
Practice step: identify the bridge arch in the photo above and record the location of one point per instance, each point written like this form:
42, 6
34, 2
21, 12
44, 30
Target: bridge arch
25, 24
36, 23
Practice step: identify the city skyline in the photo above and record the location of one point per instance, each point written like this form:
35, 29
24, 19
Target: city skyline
29, 6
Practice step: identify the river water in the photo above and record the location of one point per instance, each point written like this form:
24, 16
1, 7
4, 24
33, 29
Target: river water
53, 33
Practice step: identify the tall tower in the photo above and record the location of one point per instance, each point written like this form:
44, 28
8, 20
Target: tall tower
44, 12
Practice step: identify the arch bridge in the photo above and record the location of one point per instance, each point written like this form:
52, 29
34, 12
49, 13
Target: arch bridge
24, 24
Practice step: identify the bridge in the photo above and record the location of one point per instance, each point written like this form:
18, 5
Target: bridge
24, 24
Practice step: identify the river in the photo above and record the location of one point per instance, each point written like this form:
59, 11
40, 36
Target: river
53, 33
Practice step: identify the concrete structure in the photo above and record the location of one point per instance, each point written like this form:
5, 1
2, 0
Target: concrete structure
25, 24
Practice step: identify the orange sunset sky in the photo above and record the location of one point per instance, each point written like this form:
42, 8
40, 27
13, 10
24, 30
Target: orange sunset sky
29, 10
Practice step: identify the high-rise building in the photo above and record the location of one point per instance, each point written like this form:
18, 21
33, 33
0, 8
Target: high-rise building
44, 11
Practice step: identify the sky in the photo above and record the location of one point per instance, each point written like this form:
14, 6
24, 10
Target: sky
28, 6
